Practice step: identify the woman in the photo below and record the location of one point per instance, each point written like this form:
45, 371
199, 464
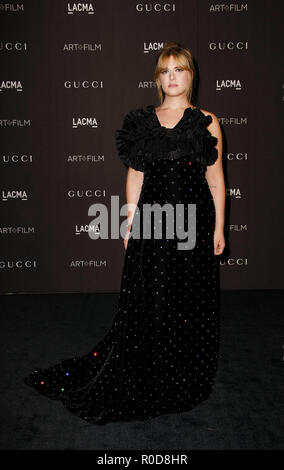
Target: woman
160, 355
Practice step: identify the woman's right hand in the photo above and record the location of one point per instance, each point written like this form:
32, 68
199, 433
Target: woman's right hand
125, 241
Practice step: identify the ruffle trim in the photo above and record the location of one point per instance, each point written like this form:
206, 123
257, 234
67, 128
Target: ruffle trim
142, 139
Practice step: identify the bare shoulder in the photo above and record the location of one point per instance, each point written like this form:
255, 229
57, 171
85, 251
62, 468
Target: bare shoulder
214, 125
209, 113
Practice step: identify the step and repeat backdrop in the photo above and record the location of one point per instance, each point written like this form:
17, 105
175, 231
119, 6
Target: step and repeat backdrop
69, 73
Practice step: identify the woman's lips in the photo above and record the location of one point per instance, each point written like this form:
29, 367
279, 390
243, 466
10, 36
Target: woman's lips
172, 85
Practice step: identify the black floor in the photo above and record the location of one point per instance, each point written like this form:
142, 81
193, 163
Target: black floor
244, 412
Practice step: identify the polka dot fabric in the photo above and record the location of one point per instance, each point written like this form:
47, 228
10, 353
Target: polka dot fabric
160, 354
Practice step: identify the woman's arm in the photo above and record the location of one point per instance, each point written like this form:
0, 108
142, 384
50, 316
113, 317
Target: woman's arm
216, 182
134, 181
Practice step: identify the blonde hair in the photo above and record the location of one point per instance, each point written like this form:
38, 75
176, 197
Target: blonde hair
185, 61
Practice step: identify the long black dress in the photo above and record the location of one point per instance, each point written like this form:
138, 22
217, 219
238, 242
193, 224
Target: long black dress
160, 354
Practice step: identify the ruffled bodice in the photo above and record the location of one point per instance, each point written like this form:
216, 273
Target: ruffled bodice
142, 139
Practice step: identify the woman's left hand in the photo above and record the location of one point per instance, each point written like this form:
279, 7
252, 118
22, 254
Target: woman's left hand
219, 241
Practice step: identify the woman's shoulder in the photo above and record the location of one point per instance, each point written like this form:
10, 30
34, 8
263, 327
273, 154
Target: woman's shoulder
204, 111
210, 114
131, 138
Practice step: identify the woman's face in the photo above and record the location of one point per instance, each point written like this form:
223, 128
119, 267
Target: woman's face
174, 80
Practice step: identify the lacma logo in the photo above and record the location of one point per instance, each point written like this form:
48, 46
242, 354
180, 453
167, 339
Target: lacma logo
233, 84
15, 194
79, 229
234, 192
11, 85
84, 122
152, 47
80, 7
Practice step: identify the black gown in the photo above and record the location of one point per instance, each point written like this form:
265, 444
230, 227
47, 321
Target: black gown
160, 354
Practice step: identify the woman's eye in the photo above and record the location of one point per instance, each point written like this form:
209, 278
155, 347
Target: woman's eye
178, 69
